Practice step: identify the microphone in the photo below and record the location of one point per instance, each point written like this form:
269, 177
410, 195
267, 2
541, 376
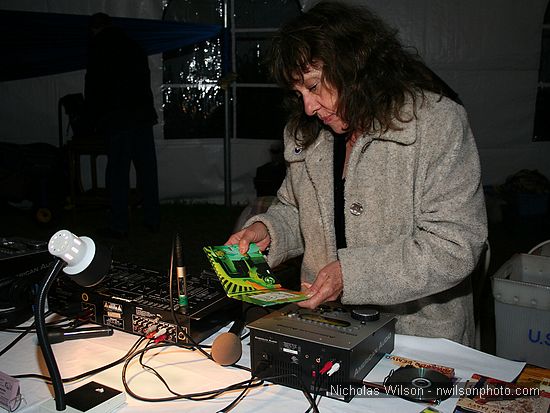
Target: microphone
59, 335
181, 271
227, 347
87, 264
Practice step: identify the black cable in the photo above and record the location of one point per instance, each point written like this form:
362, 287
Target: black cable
264, 365
24, 331
134, 347
129, 353
154, 372
237, 400
241, 367
320, 384
317, 391
71, 323
87, 373
30, 327
14, 342
206, 395
316, 381
306, 393
258, 370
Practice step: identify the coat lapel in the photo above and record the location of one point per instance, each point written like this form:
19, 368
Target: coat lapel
319, 166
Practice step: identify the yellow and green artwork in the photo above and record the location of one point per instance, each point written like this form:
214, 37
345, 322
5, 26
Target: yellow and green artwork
247, 277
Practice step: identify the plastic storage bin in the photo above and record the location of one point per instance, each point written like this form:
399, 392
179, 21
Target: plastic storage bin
521, 290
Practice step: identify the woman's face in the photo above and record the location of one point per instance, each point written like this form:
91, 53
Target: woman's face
320, 99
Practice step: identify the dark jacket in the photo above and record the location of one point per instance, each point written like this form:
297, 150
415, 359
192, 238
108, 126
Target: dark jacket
118, 82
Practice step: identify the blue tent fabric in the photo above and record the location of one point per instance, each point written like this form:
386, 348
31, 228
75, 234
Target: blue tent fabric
38, 44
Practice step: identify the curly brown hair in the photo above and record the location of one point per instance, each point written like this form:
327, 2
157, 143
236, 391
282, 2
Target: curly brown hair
360, 57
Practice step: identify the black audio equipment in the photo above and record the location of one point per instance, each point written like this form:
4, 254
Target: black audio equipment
23, 264
319, 348
136, 300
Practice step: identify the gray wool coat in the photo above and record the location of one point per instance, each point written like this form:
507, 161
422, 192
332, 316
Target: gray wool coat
415, 219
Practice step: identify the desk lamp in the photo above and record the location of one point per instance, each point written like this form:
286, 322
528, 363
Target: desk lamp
87, 264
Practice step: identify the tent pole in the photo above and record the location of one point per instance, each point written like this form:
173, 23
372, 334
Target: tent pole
227, 92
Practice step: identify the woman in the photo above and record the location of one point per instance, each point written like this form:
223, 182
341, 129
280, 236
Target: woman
382, 194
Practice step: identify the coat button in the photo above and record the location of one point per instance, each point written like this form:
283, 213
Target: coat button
356, 208
298, 150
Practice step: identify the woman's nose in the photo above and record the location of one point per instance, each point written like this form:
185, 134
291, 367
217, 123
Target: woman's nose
310, 105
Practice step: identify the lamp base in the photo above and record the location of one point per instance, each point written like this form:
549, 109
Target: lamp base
89, 398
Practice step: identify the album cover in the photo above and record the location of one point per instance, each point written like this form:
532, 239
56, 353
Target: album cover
534, 376
393, 361
248, 277
489, 395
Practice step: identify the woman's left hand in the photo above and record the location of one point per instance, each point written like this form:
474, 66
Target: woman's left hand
328, 286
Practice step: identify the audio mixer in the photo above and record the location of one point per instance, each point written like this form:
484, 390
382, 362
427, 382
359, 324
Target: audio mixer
136, 300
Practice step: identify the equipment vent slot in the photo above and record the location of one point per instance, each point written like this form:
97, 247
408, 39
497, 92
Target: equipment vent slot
291, 374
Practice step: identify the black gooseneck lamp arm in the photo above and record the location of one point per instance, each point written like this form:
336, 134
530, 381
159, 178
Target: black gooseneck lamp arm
88, 264
42, 335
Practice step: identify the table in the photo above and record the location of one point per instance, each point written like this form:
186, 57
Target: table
189, 371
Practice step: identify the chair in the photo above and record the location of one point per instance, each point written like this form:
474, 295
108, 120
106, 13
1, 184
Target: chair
82, 143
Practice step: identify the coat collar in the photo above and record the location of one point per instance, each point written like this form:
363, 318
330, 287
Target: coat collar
406, 132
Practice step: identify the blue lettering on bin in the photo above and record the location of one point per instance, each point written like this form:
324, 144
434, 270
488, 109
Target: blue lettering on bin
536, 340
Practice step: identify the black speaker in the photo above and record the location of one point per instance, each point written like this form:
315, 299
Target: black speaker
23, 263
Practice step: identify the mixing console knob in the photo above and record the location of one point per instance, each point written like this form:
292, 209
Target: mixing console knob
365, 314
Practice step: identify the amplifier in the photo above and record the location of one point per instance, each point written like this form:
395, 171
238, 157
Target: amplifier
136, 300
23, 264
317, 350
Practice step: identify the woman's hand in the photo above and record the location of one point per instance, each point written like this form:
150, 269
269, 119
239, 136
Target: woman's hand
328, 286
257, 232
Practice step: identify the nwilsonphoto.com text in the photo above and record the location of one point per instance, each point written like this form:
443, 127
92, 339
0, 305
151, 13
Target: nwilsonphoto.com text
456, 390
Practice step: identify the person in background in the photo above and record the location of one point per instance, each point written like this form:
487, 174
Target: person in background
382, 193
119, 105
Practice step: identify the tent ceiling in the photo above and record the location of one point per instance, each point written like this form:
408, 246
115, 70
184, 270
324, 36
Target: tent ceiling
48, 43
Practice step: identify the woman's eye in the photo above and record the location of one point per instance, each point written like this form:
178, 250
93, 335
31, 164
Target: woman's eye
313, 88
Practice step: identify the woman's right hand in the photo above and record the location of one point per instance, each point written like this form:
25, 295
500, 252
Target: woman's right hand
257, 233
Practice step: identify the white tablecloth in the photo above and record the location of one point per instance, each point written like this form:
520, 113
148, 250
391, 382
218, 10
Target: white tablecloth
189, 371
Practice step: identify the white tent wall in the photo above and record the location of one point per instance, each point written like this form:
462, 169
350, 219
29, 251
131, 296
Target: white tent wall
487, 51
